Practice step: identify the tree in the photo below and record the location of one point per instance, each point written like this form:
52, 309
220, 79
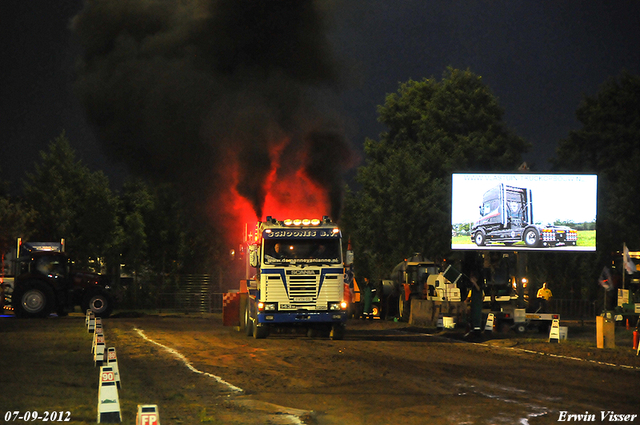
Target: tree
166, 232
72, 203
434, 128
15, 221
607, 144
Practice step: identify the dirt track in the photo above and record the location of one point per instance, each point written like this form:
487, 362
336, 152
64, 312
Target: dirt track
384, 373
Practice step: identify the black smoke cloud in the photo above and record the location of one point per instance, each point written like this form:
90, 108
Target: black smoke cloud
177, 90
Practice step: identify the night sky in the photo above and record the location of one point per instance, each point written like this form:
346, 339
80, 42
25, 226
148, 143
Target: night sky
538, 57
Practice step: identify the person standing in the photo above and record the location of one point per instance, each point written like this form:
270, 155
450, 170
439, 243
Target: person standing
368, 298
476, 299
544, 295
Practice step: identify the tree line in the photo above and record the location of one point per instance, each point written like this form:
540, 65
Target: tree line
142, 231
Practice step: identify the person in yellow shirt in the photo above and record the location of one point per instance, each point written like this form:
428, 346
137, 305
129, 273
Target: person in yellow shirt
543, 296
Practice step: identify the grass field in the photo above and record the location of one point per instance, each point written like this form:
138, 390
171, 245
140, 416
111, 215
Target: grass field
586, 238
46, 365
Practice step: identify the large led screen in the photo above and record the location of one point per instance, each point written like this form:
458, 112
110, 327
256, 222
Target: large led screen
553, 212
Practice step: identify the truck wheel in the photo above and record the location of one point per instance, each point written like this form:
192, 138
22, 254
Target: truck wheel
521, 328
242, 312
337, 331
33, 299
248, 323
100, 304
479, 239
260, 331
531, 238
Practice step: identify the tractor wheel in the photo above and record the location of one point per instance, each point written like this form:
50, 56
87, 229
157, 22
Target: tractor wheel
33, 299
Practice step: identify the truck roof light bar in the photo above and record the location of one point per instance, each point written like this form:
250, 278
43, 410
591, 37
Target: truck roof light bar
300, 222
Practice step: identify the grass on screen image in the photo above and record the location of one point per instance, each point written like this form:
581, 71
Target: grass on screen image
586, 238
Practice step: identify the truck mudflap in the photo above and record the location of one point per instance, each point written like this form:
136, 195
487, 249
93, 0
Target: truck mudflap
302, 317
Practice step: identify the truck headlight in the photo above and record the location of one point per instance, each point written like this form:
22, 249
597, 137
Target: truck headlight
337, 306
270, 306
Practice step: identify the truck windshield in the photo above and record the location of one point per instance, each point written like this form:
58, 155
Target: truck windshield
302, 251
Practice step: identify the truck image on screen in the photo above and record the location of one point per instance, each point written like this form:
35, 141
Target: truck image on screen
506, 216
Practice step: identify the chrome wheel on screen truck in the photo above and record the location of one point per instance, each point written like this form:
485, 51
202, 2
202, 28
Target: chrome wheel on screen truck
531, 238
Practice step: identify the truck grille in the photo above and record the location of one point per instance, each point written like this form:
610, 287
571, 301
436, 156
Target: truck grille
302, 291
303, 287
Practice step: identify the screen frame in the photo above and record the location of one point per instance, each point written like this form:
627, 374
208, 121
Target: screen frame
552, 198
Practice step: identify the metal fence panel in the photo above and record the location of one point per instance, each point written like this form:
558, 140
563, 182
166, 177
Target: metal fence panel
573, 309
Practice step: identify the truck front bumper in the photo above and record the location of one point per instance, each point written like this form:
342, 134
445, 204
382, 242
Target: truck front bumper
302, 317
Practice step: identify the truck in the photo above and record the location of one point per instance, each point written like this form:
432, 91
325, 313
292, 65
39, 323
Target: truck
420, 278
298, 280
45, 282
506, 216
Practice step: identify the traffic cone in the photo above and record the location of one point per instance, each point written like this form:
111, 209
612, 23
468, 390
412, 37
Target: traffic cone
554, 333
112, 361
98, 354
108, 402
627, 323
490, 322
147, 415
97, 331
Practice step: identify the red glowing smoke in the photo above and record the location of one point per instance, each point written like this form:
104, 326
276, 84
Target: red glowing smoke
288, 192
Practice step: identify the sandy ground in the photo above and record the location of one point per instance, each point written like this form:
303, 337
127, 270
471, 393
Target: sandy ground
382, 372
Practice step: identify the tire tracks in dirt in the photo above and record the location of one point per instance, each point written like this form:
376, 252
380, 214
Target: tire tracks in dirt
275, 414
